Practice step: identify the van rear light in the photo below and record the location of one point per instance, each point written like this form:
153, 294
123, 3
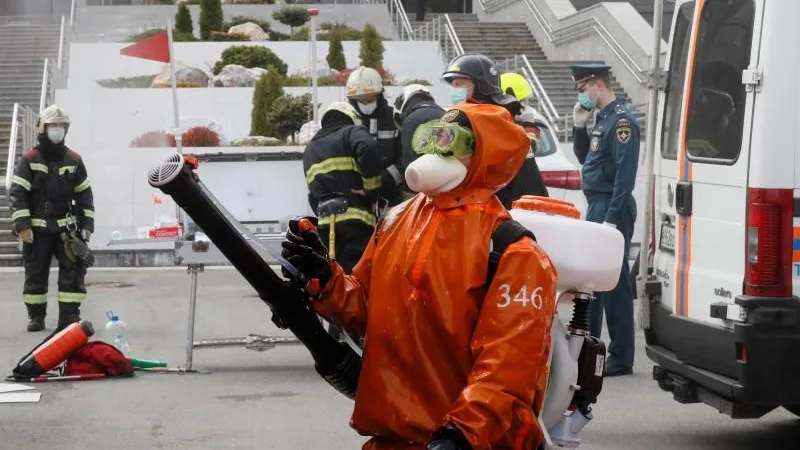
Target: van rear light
562, 179
768, 252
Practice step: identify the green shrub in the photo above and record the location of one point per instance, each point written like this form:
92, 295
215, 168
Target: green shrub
259, 143
177, 36
288, 114
267, 90
141, 81
210, 17
418, 81
335, 56
371, 49
250, 56
222, 36
296, 80
278, 36
292, 16
238, 20
183, 19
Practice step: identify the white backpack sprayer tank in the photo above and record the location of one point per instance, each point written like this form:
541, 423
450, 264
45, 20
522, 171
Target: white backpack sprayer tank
588, 258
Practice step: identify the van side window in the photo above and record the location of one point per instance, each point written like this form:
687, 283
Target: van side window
717, 96
675, 81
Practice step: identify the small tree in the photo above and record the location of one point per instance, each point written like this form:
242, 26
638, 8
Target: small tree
335, 57
288, 114
371, 48
210, 17
292, 16
268, 89
183, 19
250, 56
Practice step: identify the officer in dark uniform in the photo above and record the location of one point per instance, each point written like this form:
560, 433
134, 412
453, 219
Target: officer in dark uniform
364, 89
475, 77
51, 206
342, 168
413, 107
609, 154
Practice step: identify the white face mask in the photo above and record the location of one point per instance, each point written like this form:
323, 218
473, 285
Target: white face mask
432, 174
367, 108
56, 135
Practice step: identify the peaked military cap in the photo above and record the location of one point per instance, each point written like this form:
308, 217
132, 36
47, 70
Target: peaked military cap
585, 72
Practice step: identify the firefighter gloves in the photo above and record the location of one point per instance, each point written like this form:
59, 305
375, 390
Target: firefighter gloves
305, 251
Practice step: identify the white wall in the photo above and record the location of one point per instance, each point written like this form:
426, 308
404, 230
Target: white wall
90, 62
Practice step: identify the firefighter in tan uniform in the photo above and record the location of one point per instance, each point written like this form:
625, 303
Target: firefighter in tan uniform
53, 214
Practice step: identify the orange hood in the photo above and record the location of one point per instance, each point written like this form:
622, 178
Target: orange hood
501, 147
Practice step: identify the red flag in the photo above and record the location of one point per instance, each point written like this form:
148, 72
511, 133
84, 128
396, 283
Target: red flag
155, 48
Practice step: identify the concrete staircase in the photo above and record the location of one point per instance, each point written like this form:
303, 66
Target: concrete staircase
645, 8
24, 44
504, 40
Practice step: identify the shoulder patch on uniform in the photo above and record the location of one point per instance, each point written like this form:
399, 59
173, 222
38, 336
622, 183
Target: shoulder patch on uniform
450, 116
623, 133
623, 123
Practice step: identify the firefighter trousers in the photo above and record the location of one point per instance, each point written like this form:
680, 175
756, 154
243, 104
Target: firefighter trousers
71, 275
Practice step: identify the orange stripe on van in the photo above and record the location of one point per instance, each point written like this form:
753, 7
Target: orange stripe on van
684, 230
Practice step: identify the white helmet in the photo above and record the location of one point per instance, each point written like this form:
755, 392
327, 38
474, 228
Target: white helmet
344, 108
401, 101
364, 81
52, 114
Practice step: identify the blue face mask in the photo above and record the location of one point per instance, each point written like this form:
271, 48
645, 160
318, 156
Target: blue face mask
458, 95
587, 102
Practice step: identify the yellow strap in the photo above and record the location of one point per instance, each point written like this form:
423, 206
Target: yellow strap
71, 297
39, 223
20, 213
373, 183
21, 182
330, 165
60, 222
352, 213
65, 169
88, 213
39, 167
83, 186
34, 299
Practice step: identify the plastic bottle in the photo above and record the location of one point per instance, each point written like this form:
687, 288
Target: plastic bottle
115, 329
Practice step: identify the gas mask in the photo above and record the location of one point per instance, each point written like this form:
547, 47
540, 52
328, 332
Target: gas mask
445, 149
56, 134
367, 108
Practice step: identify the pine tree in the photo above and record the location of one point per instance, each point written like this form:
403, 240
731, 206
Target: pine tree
371, 51
211, 17
267, 90
335, 57
183, 19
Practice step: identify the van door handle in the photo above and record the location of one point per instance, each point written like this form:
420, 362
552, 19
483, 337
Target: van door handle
683, 198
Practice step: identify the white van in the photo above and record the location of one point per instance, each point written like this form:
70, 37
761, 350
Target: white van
724, 322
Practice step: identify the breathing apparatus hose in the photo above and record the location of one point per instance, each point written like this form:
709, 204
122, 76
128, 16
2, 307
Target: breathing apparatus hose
337, 363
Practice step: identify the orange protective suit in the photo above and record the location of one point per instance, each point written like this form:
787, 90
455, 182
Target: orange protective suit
439, 347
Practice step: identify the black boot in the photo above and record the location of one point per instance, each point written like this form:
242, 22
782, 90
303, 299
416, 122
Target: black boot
68, 313
36, 315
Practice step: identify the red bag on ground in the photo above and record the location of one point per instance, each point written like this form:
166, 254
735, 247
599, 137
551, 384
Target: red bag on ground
98, 357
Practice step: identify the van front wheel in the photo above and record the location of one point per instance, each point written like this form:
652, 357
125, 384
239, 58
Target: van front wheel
793, 409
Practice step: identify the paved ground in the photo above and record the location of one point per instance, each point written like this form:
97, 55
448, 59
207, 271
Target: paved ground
275, 400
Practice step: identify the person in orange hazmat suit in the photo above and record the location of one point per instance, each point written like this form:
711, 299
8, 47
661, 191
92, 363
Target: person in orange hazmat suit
448, 363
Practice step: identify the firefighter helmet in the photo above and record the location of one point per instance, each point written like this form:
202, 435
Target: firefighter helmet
515, 84
345, 108
402, 100
52, 114
364, 81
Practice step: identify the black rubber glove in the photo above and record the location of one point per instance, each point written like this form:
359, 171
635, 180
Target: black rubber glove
304, 249
448, 437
